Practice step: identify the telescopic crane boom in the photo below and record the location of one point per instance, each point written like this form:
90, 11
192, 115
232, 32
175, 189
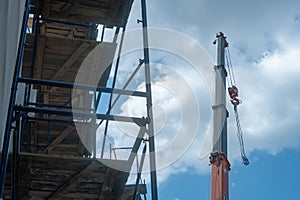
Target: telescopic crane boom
218, 158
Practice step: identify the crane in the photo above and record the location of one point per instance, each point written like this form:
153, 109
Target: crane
220, 166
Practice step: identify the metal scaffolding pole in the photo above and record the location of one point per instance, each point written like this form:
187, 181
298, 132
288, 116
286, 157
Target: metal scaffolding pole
150, 130
7, 133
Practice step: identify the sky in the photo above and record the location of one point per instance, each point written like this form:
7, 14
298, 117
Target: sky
264, 44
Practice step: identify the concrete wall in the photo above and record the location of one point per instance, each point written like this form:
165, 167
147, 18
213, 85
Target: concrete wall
11, 15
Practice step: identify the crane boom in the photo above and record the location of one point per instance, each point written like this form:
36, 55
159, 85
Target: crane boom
218, 158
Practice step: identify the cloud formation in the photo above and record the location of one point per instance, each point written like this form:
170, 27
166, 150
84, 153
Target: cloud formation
264, 52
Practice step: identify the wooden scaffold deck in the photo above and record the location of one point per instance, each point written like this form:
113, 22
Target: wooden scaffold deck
54, 162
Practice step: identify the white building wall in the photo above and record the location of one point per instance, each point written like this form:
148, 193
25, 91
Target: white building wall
11, 16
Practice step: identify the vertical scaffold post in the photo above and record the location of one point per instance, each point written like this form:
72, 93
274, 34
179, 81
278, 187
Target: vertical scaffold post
15, 159
150, 130
9, 120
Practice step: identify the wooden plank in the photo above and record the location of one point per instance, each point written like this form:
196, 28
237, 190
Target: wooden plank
42, 165
68, 64
80, 196
114, 8
65, 10
46, 9
89, 12
87, 138
96, 64
25, 165
61, 137
43, 29
39, 57
59, 26
61, 46
50, 172
39, 193
33, 138
104, 194
73, 182
45, 98
68, 146
69, 6
62, 32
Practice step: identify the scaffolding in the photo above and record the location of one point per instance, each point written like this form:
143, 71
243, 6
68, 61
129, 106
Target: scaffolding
49, 159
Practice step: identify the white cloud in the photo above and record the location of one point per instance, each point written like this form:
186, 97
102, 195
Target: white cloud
271, 101
268, 114
176, 117
265, 55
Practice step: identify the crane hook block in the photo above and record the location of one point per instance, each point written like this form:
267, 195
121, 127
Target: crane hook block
233, 93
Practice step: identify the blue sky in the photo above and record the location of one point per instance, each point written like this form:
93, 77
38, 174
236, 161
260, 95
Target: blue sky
268, 177
264, 43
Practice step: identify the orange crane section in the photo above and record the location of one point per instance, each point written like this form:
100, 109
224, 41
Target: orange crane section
220, 168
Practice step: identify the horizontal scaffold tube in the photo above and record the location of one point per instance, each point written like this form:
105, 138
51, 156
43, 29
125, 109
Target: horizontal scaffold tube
139, 121
82, 87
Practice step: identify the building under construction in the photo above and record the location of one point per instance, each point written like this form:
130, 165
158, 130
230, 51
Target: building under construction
56, 69
49, 148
